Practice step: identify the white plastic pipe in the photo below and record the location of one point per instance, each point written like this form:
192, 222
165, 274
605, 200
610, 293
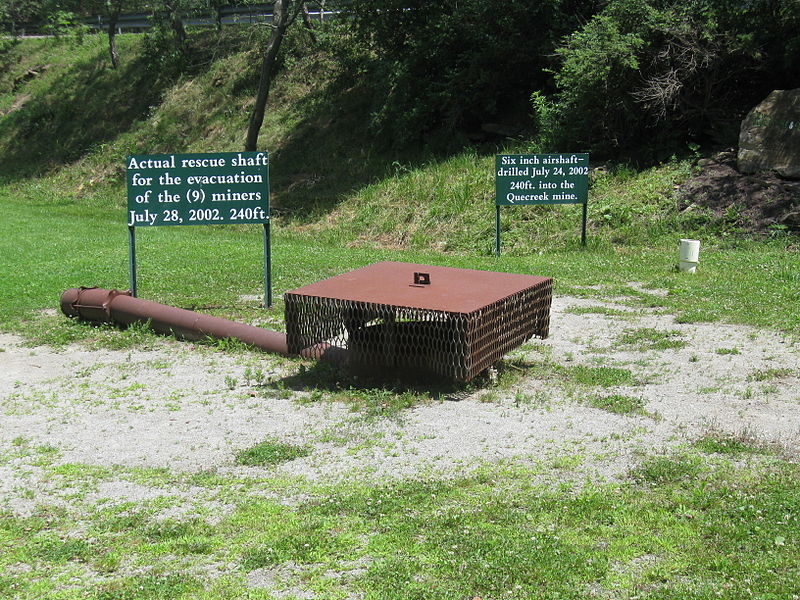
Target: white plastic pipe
689, 255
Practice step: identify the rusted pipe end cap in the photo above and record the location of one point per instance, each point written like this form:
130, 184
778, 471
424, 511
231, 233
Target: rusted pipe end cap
326, 352
68, 300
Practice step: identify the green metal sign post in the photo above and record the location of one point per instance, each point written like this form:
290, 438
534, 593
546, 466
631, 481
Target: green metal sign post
199, 189
540, 179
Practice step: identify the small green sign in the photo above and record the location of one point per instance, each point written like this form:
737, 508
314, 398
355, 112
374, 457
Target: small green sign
198, 189
541, 179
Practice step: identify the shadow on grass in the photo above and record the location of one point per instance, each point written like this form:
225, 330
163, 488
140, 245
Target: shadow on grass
73, 109
373, 389
332, 152
82, 106
329, 153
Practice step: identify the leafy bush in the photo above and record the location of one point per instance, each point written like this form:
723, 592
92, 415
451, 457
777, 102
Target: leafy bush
440, 70
656, 74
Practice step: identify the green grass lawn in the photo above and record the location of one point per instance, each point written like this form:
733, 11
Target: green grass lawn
689, 525
49, 246
715, 520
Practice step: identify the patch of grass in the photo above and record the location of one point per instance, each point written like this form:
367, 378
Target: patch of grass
566, 462
538, 399
731, 444
52, 548
598, 310
667, 469
511, 373
618, 404
270, 452
646, 338
600, 376
149, 587
770, 374
712, 389
379, 402
727, 351
184, 537
678, 526
490, 396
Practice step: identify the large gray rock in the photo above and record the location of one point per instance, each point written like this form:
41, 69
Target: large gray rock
769, 139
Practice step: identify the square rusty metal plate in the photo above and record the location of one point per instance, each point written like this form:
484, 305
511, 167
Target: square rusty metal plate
454, 322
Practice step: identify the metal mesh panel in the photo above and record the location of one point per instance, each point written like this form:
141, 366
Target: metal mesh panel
453, 344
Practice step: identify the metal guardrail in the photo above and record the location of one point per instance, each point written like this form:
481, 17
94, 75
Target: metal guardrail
227, 15
139, 22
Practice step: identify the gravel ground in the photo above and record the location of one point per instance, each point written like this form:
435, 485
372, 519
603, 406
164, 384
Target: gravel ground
178, 408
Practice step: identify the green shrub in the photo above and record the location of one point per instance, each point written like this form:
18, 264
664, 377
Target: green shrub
655, 75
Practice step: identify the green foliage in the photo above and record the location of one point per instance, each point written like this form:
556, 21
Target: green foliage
60, 23
599, 63
6, 56
654, 75
432, 65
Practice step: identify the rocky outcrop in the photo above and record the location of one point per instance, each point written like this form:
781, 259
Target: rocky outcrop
760, 202
769, 139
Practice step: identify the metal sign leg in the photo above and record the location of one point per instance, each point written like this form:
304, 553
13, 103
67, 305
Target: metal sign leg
583, 225
267, 267
132, 258
497, 231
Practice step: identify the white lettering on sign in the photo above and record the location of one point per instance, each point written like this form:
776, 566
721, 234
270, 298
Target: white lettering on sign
172, 189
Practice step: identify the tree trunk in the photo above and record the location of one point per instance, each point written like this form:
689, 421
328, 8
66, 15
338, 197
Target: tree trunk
112, 38
307, 22
176, 23
180, 32
280, 22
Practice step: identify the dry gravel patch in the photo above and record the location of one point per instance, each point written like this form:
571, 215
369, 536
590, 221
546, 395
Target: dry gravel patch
191, 411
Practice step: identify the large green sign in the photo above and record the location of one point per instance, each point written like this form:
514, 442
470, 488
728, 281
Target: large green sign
198, 189
541, 179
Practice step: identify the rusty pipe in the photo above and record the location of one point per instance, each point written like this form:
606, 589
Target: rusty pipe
115, 306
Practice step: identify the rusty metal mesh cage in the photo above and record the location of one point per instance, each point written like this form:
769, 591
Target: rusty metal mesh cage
452, 344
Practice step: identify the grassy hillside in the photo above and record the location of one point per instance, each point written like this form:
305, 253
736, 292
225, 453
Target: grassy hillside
65, 92
164, 470
69, 121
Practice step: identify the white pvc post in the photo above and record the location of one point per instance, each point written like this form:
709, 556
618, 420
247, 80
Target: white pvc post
689, 255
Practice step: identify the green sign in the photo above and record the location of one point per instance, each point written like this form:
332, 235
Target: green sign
541, 179
198, 189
